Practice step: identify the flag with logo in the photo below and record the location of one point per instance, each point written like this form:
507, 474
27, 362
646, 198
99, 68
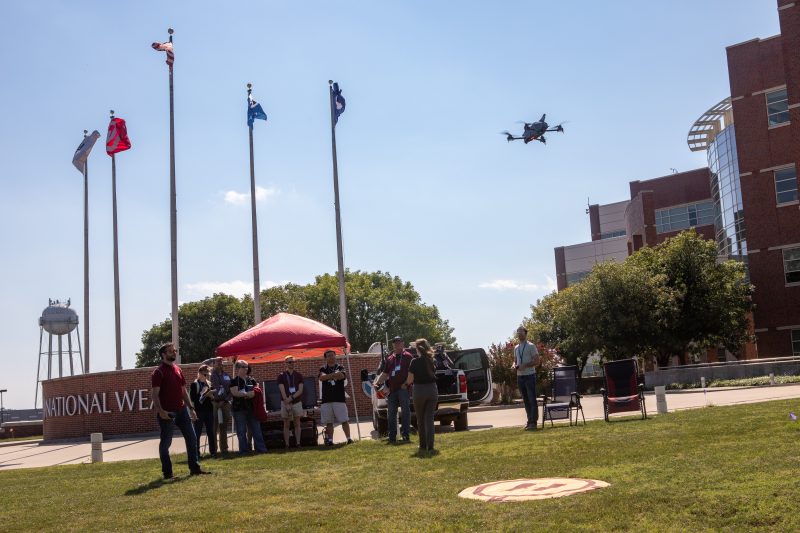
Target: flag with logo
117, 139
84, 149
254, 111
165, 47
337, 101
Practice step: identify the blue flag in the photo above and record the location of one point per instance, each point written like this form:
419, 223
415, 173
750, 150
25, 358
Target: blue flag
338, 102
254, 111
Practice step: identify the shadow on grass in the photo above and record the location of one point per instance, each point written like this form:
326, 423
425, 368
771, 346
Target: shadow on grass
155, 484
626, 420
424, 454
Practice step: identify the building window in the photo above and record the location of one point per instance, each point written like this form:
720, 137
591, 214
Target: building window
796, 342
684, 217
612, 234
575, 277
777, 107
786, 185
791, 264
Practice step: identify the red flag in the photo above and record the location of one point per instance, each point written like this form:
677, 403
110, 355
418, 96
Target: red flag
117, 140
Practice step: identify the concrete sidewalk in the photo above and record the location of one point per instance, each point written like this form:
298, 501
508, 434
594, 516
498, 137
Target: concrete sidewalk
31, 454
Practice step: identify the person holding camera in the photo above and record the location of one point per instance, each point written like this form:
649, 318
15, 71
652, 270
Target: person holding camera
395, 373
221, 385
422, 374
242, 391
200, 393
173, 406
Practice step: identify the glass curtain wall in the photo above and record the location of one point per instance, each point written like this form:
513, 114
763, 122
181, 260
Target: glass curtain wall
726, 191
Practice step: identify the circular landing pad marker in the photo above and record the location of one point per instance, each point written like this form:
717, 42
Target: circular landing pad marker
517, 490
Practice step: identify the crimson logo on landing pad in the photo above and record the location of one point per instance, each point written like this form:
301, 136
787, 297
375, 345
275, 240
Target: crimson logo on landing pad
530, 489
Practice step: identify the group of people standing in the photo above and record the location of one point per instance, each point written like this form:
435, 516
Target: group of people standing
215, 398
400, 371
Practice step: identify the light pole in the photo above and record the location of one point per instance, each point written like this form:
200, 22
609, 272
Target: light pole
2, 409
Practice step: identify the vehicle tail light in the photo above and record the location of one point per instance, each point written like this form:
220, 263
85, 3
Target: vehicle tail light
462, 384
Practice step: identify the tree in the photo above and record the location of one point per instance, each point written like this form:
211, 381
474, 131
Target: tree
501, 359
711, 298
204, 325
377, 304
553, 325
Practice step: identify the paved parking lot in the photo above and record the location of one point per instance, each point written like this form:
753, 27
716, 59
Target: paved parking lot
37, 454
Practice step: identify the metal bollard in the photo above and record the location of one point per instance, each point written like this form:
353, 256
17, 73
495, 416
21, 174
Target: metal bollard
97, 447
661, 399
772, 378
703, 382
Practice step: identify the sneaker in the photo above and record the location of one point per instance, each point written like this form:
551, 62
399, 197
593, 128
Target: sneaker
349, 441
406, 438
328, 442
169, 477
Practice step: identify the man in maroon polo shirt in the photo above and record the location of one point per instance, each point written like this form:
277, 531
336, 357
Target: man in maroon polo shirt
173, 406
395, 372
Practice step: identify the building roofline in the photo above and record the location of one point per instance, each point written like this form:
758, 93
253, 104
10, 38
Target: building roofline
669, 175
757, 39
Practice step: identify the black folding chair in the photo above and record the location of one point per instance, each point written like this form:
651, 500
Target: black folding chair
564, 397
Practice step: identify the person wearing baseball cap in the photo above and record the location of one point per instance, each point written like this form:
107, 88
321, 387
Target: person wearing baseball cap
395, 373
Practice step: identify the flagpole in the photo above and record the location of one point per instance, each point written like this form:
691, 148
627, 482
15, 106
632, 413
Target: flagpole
339, 252
116, 257
256, 280
86, 259
173, 214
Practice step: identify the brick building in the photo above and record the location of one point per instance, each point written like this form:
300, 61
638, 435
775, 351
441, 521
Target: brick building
658, 208
747, 198
765, 98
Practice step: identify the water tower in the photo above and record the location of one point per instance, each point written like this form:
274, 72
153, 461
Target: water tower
58, 320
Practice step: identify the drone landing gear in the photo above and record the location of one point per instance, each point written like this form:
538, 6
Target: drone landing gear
542, 139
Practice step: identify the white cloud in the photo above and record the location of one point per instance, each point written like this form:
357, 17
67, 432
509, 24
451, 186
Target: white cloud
513, 285
235, 288
243, 198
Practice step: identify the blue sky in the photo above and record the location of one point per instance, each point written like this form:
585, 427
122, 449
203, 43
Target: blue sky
430, 191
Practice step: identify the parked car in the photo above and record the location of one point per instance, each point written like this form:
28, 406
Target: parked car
467, 382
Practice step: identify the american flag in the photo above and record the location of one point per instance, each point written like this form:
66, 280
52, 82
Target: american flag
166, 47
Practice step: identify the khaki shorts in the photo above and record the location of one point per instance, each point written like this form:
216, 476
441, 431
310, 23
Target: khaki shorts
297, 410
333, 413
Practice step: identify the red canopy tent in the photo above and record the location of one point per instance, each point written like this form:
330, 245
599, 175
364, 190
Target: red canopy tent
281, 335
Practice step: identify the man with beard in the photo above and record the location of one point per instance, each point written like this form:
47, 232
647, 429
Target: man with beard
174, 407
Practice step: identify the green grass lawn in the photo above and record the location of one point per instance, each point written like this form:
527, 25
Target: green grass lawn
718, 468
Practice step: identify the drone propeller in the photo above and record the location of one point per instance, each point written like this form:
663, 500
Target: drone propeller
509, 136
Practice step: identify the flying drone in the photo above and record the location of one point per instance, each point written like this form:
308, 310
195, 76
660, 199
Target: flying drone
534, 131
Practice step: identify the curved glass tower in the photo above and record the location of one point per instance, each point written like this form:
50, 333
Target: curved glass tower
727, 193
714, 132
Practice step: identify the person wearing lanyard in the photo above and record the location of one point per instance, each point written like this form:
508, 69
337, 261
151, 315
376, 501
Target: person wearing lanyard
242, 391
396, 373
200, 394
333, 409
526, 358
221, 385
290, 383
